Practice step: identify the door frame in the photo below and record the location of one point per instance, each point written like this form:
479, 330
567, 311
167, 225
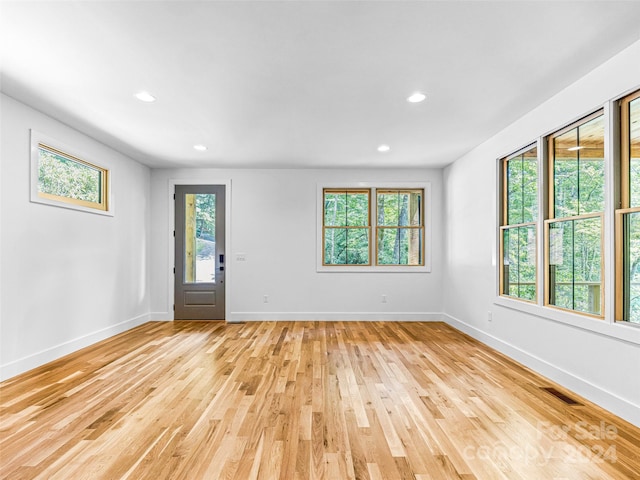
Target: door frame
171, 247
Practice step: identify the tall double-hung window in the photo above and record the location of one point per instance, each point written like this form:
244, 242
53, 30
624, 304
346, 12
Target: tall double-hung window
628, 216
574, 229
518, 274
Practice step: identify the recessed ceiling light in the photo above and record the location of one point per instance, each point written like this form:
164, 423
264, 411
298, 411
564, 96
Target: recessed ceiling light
416, 97
573, 149
200, 148
384, 148
145, 97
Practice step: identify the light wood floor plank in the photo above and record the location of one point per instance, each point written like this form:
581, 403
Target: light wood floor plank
300, 401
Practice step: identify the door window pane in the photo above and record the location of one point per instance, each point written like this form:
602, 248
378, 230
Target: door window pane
200, 241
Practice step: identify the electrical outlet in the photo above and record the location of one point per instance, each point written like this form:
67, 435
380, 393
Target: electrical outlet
265, 299
489, 316
384, 298
241, 257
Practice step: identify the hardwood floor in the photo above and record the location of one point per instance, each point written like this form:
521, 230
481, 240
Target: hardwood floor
302, 400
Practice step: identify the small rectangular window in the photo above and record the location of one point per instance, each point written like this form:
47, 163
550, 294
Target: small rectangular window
519, 224
62, 179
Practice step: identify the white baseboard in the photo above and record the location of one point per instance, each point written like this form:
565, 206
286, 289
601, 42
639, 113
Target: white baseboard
607, 400
336, 316
24, 364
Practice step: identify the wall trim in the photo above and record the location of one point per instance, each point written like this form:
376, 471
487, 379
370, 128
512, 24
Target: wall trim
605, 399
37, 359
236, 317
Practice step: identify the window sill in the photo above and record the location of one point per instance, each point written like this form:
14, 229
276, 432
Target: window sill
625, 331
371, 269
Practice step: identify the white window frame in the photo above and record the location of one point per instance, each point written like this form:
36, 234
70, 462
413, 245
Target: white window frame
374, 186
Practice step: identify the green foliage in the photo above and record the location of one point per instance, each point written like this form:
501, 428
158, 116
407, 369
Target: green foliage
575, 246
578, 186
206, 216
346, 209
634, 182
346, 246
575, 258
65, 177
522, 188
399, 246
632, 267
205, 225
519, 243
347, 229
520, 262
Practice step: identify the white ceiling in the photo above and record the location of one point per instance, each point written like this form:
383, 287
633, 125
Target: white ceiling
301, 83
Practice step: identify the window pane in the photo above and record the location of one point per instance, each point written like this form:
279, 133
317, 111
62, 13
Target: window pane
400, 208
357, 246
632, 267
565, 174
357, 209
634, 136
519, 262
578, 170
346, 209
522, 188
400, 246
335, 208
561, 264
575, 273
346, 246
200, 241
587, 265
335, 246
66, 177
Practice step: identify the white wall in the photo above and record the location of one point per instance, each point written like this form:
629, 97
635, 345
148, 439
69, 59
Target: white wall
588, 356
273, 222
68, 278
